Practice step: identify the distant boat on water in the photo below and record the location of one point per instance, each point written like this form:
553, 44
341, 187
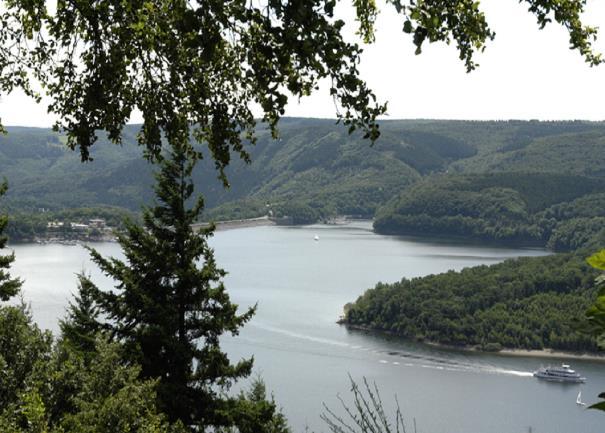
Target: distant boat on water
579, 399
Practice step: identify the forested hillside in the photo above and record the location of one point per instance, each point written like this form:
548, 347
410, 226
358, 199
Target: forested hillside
546, 209
530, 303
532, 183
313, 161
488, 180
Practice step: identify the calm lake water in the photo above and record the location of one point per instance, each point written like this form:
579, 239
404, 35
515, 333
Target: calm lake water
305, 358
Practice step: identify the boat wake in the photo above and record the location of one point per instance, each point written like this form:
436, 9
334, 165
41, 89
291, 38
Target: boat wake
300, 336
398, 358
511, 372
440, 363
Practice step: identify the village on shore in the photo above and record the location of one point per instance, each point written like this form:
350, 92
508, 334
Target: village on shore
74, 232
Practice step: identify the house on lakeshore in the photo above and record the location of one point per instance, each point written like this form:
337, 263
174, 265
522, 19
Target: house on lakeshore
97, 223
55, 225
79, 227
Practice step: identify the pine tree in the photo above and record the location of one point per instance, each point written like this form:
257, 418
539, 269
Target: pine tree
8, 286
168, 310
80, 328
255, 412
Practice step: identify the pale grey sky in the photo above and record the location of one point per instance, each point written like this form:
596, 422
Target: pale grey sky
525, 73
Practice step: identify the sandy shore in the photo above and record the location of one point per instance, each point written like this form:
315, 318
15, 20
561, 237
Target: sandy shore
545, 353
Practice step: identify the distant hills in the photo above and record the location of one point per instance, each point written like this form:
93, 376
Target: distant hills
493, 180
313, 161
513, 189
562, 211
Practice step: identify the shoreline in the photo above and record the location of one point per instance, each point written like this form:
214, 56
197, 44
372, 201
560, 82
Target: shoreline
71, 241
467, 240
521, 353
219, 226
550, 354
269, 221
237, 224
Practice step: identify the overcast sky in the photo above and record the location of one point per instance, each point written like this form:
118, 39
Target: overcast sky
525, 73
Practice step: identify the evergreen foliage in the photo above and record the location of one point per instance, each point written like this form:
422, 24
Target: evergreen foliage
64, 394
80, 328
253, 412
83, 383
112, 398
9, 286
167, 310
54, 387
211, 62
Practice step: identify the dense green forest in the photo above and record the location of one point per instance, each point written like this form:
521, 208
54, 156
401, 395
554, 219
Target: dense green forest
529, 303
315, 170
313, 161
555, 210
534, 183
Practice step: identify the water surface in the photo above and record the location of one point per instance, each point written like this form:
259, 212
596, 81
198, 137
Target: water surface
301, 285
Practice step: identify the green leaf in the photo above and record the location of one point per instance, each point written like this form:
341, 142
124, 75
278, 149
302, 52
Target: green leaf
597, 260
598, 406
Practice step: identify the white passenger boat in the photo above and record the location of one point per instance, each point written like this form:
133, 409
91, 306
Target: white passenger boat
559, 374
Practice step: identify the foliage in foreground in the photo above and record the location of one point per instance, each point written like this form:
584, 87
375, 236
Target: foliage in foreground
8, 286
596, 312
235, 54
222, 58
50, 387
160, 369
366, 414
169, 307
64, 386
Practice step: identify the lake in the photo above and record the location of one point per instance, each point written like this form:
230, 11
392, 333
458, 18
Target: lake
305, 358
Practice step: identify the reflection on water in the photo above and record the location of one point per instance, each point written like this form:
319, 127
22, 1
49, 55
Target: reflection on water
301, 286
